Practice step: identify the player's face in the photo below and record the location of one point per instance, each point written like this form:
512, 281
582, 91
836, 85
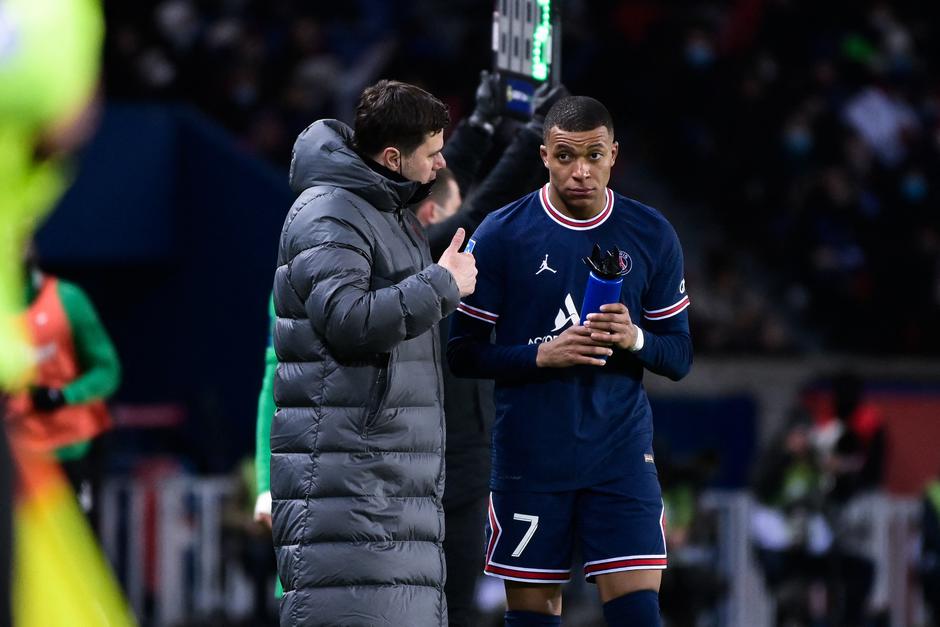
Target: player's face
579, 165
422, 164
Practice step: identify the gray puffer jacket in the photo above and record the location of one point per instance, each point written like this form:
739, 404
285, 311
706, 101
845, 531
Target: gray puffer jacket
357, 441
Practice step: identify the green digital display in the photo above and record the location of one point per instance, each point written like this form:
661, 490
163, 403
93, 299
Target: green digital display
542, 41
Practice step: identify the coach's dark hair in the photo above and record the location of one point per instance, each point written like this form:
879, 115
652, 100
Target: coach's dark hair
577, 114
392, 113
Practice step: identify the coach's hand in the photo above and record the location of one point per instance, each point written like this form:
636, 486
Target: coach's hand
613, 326
574, 347
462, 266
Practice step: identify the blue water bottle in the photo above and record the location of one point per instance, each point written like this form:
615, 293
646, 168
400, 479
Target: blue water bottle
599, 292
604, 280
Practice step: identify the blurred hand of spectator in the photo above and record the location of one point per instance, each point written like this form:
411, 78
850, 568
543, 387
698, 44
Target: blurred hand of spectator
488, 109
543, 100
263, 510
47, 399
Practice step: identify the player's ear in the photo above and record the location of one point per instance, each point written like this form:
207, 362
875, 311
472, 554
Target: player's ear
614, 149
543, 150
425, 212
391, 158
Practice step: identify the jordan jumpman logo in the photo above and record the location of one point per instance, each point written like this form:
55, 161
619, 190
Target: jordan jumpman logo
545, 267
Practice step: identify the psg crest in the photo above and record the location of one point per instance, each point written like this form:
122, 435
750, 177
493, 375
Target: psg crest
626, 263
615, 263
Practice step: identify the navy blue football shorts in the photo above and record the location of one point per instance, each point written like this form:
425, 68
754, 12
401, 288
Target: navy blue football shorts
620, 525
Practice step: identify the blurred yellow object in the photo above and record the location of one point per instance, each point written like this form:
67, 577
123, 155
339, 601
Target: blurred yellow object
49, 57
27, 191
60, 578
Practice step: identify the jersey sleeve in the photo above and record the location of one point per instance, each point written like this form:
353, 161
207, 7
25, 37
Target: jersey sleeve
666, 298
470, 351
667, 347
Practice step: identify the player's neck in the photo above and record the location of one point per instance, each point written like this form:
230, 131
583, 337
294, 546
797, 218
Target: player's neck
577, 213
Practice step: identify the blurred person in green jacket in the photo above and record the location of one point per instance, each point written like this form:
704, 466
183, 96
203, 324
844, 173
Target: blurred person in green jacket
263, 438
76, 371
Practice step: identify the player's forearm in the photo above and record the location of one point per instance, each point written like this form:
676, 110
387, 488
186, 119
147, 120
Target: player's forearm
478, 359
669, 355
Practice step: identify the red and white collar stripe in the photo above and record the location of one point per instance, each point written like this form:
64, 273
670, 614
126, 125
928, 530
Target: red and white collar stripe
571, 223
667, 312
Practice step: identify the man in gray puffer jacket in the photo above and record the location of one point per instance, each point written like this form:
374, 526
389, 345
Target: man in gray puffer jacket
357, 442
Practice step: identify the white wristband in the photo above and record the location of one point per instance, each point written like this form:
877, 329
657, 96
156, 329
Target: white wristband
263, 504
638, 343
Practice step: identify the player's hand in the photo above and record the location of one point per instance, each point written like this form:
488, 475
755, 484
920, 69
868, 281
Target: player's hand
462, 266
574, 347
612, 327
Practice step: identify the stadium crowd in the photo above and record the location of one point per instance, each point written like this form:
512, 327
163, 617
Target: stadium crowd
811, 155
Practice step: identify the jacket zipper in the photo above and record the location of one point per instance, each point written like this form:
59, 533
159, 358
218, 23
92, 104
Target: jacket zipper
404, 227
379, 396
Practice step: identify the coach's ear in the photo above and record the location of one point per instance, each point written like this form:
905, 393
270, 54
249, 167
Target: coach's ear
543, 151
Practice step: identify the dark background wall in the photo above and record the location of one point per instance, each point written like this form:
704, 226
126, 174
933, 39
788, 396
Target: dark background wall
172, 229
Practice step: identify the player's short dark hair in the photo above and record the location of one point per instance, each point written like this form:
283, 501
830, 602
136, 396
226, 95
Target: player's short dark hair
577, 114
392, 113
441, 190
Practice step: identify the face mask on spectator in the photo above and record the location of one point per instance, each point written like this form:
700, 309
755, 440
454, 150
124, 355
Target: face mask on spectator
798, 140
914, 187
699, 53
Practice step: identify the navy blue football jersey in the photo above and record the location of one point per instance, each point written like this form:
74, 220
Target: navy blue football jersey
568, 428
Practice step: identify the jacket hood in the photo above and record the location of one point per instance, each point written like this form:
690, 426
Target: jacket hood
323, 155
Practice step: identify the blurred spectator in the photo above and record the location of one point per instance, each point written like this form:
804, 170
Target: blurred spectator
262, 459
852, 449
691, 587
78, 370
811, 527
249, 544
443, 201
851, 441
788, 529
